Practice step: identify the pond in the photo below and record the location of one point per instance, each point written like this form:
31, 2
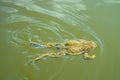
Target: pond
44, 21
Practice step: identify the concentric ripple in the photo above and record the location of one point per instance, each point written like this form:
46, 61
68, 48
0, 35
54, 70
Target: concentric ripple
56, 22
45, 21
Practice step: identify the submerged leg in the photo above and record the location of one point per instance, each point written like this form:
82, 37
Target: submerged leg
49, 54
87, 56
36, 45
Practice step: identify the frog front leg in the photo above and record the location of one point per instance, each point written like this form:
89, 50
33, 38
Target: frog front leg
87, 56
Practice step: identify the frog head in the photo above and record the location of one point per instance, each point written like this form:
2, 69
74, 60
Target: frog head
90, 45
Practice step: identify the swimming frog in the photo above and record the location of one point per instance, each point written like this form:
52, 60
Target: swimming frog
69, 47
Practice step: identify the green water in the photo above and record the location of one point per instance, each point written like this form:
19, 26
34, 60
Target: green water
45, 21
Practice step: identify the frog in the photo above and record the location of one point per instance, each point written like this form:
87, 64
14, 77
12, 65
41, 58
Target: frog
69, 47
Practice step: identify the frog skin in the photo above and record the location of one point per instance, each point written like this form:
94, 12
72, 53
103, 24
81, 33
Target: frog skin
69, 47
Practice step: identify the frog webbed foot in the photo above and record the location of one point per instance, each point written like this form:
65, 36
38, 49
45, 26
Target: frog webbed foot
36, 45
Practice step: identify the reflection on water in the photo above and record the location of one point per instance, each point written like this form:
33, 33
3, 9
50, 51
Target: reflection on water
45, 21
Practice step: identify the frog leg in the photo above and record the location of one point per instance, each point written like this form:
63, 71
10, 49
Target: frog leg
54, 44
50, 44
36, 45
87, 56
49, 54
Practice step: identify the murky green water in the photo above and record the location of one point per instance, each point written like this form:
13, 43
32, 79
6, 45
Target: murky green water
45, 21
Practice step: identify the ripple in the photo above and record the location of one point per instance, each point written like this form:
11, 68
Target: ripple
41, 33
53, 21
7, 9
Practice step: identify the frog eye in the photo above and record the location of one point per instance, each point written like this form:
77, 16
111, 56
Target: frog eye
90, 45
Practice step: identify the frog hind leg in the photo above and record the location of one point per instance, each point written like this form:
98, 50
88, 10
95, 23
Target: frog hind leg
87, 56
36, 45
49, 54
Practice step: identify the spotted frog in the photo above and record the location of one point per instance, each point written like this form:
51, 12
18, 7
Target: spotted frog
69, 47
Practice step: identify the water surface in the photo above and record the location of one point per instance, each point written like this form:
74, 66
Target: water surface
45, 21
